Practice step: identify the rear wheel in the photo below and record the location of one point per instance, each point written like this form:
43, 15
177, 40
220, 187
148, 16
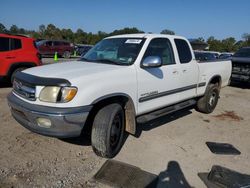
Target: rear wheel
66, 54
12, 76
108, 130
208, 102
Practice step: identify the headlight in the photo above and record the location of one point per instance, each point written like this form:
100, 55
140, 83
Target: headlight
57, 94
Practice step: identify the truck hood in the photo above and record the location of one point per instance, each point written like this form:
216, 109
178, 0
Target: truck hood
71, 70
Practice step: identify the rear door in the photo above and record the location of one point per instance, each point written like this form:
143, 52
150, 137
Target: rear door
9, 51
158, 87
4, 54
189, 71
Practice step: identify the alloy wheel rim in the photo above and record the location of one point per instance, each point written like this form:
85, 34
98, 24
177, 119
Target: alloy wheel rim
212, 99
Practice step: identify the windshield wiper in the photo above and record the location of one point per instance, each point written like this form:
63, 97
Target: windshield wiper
109, 61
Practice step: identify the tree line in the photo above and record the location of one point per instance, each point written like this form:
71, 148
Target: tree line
81, 37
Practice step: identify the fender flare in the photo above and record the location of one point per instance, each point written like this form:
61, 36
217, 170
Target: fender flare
129, 107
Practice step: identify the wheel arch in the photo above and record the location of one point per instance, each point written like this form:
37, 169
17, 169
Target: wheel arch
17, 65
215, 79
126, 102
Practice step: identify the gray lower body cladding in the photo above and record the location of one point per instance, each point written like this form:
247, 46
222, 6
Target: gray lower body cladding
65, 122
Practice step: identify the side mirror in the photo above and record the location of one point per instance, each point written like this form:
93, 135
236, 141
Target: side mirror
152, 61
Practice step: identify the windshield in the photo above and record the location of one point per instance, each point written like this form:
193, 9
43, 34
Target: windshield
244, 52
39, 43
120, 51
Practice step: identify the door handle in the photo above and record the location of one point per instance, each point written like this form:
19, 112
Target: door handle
175, 72
184, 70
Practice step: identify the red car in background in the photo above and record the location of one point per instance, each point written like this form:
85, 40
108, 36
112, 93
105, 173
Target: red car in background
16, 54
50, 47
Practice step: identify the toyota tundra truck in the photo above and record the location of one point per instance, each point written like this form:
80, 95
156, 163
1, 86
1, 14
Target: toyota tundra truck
121, 81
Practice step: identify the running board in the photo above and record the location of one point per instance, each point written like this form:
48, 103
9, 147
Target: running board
164, 111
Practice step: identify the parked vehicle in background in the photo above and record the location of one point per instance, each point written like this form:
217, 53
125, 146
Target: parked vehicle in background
225, 55
241, 65
204, 56
16, 54
82, 49
216, 54
121, 80
50, 47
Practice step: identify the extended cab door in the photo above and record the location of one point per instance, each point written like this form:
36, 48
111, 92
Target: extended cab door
189, 71
157, 86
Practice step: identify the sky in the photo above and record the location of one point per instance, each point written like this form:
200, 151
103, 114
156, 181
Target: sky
189, 18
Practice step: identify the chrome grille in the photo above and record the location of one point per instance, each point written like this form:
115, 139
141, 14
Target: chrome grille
24, 90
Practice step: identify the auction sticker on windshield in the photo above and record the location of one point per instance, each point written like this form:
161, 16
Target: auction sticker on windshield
133, 41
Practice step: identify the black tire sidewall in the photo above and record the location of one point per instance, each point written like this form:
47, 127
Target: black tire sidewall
111, 152
213, 88
102, 126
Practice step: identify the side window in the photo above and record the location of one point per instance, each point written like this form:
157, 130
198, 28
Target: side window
4, 44
183, 49
15, 44
49, 43
162, 48
57, 43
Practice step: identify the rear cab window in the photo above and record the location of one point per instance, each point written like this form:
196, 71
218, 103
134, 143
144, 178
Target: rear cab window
184, 51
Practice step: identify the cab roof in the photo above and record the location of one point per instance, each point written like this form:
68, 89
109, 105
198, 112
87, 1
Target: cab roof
145, 35
14, 36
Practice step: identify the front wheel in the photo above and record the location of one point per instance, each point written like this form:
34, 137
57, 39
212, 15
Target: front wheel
108, 130
208, 102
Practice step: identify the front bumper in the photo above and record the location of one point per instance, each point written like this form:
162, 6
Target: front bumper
240, 77
65, 122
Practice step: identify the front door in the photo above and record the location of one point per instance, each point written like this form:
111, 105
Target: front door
158, 87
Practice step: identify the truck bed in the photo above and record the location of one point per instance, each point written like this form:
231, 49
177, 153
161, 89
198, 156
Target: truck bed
209, 69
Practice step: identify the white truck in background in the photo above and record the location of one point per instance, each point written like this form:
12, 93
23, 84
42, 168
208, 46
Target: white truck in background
121, 80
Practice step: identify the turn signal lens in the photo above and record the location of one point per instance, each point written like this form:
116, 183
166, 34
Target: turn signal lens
68, 93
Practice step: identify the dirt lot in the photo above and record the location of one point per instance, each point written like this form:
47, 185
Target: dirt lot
172, 147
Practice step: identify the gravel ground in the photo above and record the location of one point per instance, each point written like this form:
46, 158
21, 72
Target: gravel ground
172, 147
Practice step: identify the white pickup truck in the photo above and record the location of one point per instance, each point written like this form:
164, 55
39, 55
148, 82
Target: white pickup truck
120, 81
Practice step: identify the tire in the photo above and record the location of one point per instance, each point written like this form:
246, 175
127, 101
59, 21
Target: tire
108, 130
66, 54
12, 76
208, 102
